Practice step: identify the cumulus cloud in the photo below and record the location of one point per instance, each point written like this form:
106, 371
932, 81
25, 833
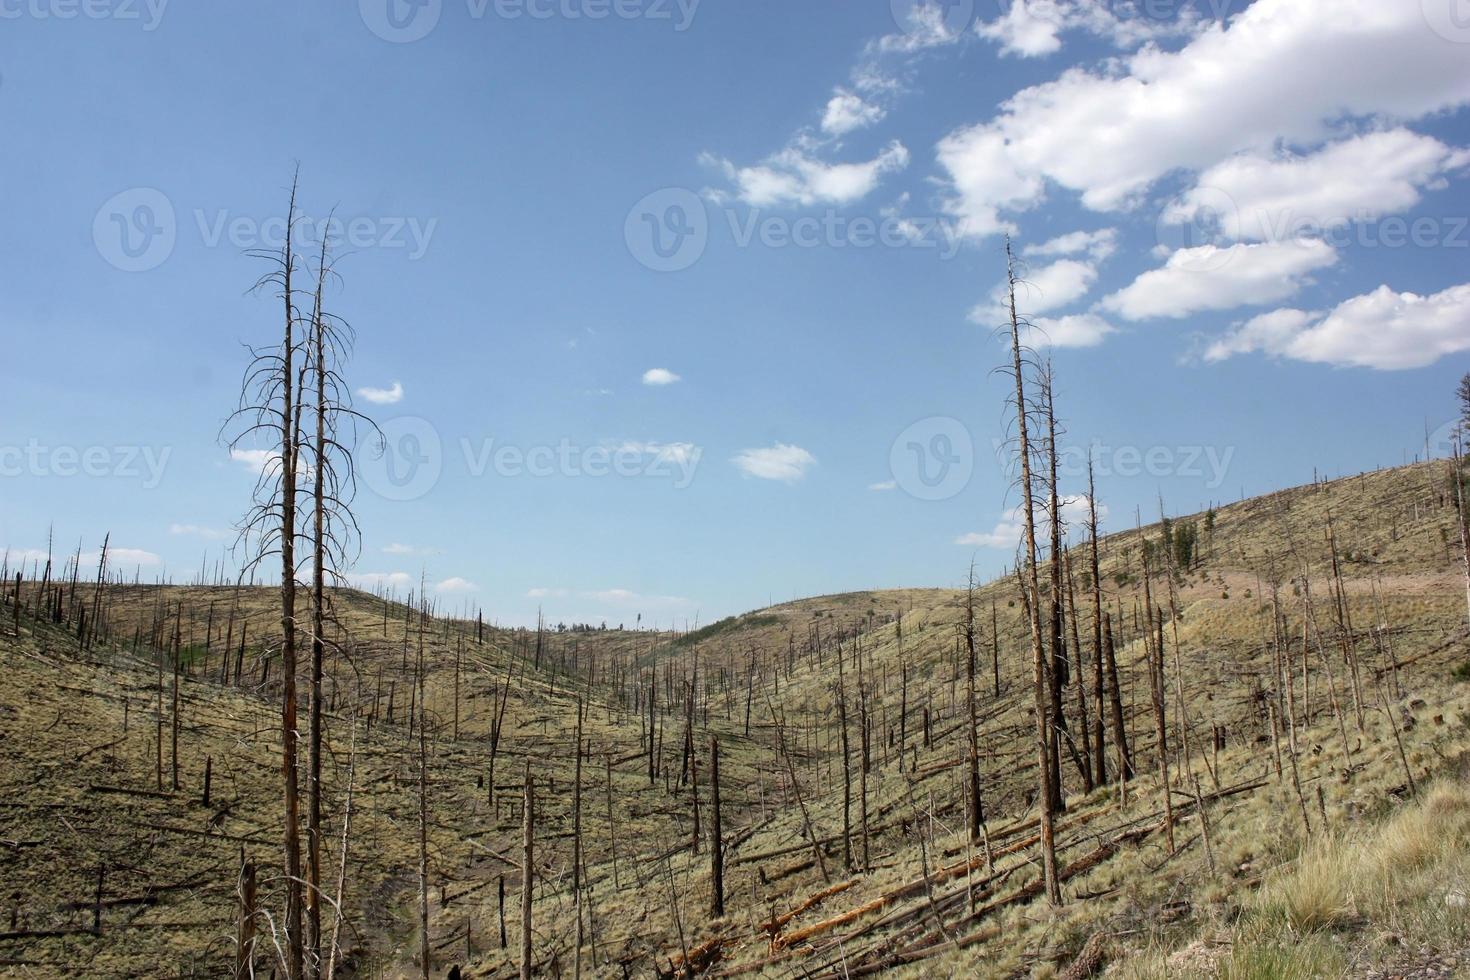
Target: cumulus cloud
1273, 75
1384, 329
1099, 245
781, 462
1040, 290
456, 584
884, 486
847, 112
658, 377
1077, 330
382, 396
1213, 278
1011, 527
1278, 196
796, 176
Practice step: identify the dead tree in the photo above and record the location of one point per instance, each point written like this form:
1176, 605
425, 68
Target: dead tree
1038, 652
974, 811
716, 835
528, 870
270, 409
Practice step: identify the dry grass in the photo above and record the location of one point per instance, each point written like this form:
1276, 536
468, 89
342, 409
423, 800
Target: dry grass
1154, 904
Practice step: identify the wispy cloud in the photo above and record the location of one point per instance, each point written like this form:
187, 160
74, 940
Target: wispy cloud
199, 531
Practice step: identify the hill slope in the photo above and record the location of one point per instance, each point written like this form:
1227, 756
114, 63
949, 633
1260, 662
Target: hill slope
90, 807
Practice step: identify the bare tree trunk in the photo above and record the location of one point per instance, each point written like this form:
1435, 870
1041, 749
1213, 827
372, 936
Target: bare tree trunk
1098, 734
716, 835
528, 870
577, 841
1038, 652
245, 943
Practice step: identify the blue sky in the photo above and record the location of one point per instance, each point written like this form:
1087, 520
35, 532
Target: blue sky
1246, 227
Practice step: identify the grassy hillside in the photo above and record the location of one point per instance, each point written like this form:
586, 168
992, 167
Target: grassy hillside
84, 811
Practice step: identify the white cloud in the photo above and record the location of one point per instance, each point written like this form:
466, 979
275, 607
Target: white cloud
373, 581
1278, 73
677, 453
1383, 329
1276, 197
1011, 527
847, 112
787, 464
199, 531
658, 377
1030, 28
925, 26
886, 485
382, 396
456, 584
1078, 330
1040, 290
1214, 278
123, 558
796, 176
1100, 245
255, 460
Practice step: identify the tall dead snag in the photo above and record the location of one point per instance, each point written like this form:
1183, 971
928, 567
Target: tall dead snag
1462, 518
577, 840
1098, 739
334, 534
423, 713
1047, 838
270, 410
1115, 705
1153, 643
716, 836
1058, 674
528, 870
974, 811
846, 765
